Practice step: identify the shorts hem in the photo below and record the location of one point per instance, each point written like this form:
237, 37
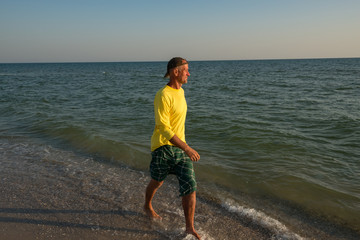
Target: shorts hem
188, 192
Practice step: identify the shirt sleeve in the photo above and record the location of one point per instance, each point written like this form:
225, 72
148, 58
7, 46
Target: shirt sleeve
162, 107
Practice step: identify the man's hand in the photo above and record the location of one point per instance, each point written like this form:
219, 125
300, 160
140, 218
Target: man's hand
194, 156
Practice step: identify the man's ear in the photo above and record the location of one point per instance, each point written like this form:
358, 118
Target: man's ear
176, 71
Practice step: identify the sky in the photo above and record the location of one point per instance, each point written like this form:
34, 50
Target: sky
156, 30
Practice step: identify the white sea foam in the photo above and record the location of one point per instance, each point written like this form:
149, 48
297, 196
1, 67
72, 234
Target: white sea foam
280, 230
179, 232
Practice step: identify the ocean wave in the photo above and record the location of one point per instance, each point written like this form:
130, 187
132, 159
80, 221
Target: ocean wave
279, 229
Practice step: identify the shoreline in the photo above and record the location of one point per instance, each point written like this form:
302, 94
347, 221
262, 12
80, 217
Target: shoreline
51, 193
44, 199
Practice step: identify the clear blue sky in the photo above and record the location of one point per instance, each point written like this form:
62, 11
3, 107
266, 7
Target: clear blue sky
156, 30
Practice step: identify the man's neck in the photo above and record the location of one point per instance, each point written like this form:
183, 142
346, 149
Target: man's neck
174, 84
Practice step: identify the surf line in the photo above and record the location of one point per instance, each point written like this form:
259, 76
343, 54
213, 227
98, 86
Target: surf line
262, 219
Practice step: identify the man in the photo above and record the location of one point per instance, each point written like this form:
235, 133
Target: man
170, 153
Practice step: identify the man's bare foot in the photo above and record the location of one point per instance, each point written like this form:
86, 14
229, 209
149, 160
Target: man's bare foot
151, 213
193, 232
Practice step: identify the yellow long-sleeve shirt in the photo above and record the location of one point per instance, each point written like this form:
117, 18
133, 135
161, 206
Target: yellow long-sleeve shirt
170, 113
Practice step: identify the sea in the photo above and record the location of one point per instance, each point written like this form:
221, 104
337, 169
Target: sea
279, 140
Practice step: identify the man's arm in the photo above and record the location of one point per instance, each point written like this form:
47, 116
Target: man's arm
194, 156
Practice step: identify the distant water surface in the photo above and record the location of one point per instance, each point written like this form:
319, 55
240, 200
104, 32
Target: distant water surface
272, 131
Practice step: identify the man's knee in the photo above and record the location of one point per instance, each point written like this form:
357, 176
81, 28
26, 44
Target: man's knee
189, 195
155, 184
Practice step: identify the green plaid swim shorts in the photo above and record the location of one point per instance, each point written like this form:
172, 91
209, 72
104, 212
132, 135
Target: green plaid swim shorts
172, 160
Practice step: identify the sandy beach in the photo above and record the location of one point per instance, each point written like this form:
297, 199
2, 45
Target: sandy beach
50, 193
42, 198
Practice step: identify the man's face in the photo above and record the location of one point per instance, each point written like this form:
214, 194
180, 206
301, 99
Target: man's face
183, 74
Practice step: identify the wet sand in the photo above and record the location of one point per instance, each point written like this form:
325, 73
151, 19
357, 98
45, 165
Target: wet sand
50, 193
43, 198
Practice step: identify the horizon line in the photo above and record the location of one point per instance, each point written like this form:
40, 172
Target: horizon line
209, 60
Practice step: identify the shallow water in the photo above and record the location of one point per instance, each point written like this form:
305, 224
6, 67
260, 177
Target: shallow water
61, 192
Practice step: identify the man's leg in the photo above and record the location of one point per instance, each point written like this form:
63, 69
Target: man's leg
188, 203
149, 195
